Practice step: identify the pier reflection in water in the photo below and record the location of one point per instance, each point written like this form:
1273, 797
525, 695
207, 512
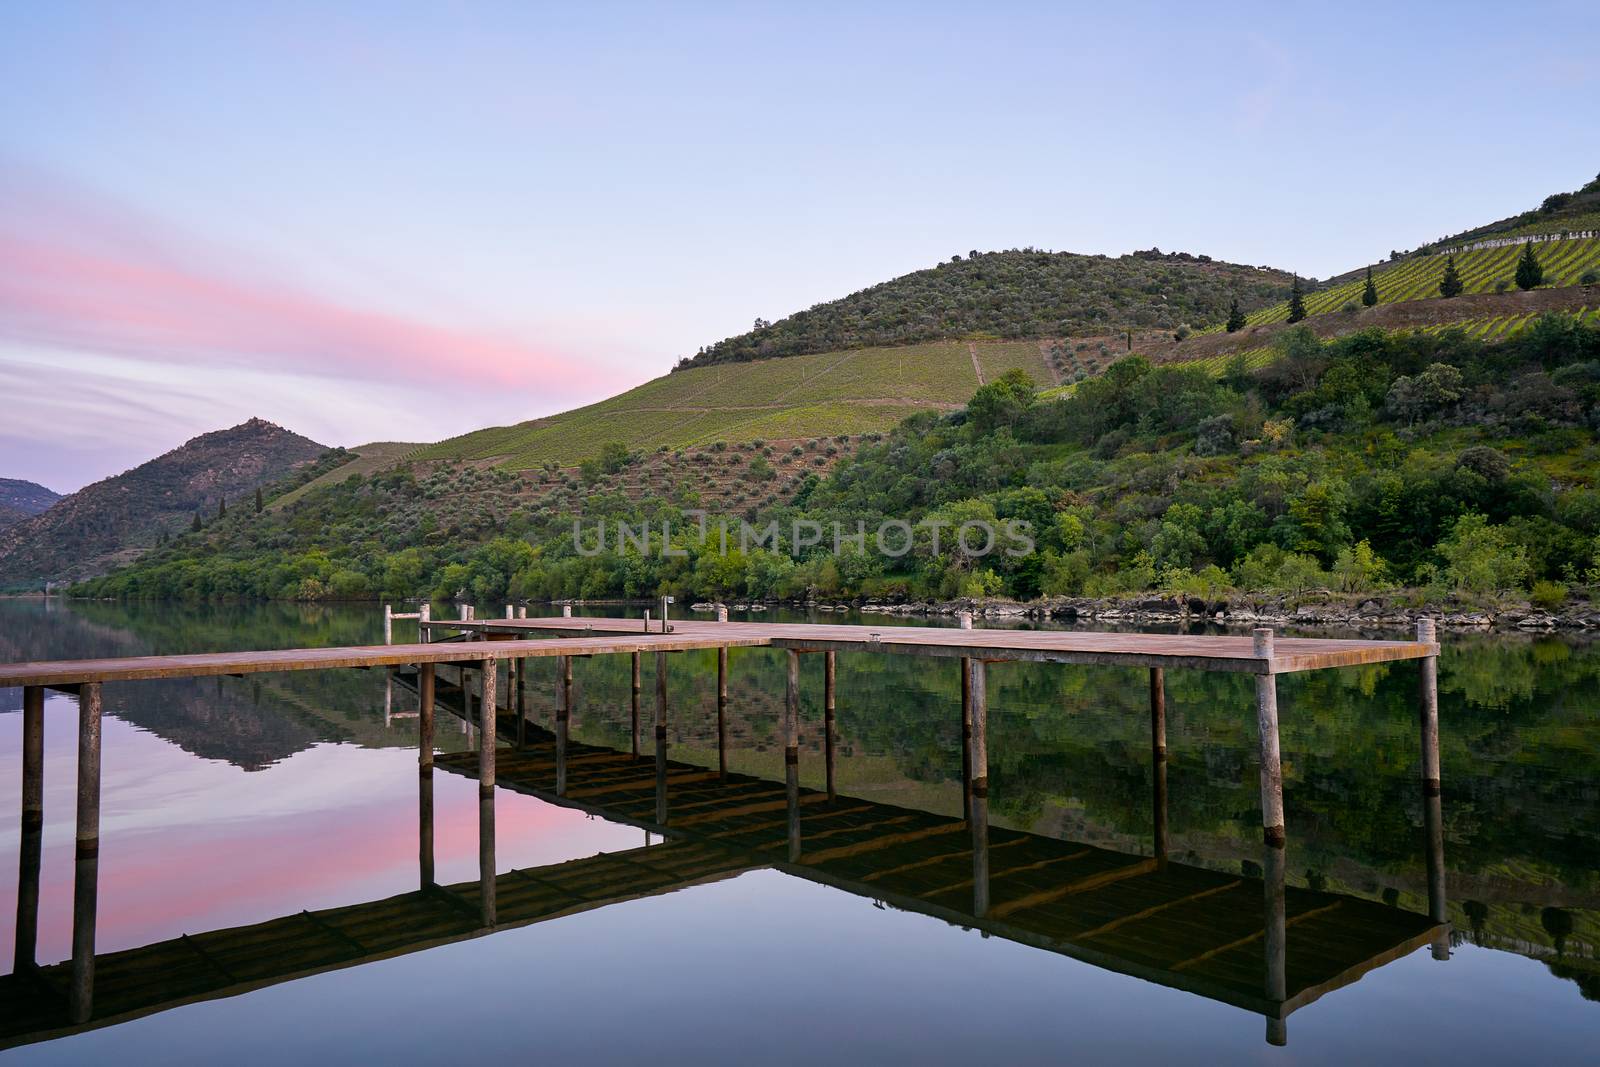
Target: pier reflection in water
1255, 943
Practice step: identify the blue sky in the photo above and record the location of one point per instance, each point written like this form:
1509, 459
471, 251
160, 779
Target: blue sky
397, 221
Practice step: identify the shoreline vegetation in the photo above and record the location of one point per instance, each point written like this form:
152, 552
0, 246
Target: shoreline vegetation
1458, 469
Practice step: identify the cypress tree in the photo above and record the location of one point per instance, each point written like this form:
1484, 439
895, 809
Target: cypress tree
1235, 317
1297, 301
195, 525
222, 508
1529, 272
1369, 295
258, 500
1451, 284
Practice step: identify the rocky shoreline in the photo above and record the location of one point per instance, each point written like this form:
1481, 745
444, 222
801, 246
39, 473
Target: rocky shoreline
1361, 613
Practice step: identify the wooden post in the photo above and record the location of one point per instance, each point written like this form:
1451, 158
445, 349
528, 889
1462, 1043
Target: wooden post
515, 669
466, 704
1272, 824
791, 751
563, 721
978, 819
388, 698
566, 611
425, 875
463, 613
86, 878
486, 884
31, 848
424, 615
522, 611
722, 707
978, 685
829, 726
965, 621
791, 792
1158, 760
661, 738
665, 600
1276, 942
722, 613
425, 700
388, 624
1432, 803
635, 718
487, 726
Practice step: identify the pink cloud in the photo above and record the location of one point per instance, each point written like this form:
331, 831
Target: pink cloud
82, 272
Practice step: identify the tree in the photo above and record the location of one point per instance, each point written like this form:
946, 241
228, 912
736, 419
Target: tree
1369, 295
1529, 272
260, 504
195, 525
1482, 558
1297, 301
614, 457
1235, 317
222, 507
1451, 284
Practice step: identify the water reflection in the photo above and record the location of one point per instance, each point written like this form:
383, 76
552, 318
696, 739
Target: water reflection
1079, 767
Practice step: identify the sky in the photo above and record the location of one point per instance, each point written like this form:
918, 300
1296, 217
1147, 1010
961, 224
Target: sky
408, 221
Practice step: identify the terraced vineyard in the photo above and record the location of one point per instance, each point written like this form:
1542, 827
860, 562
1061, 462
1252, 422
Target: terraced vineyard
821, 395
1417, 278
1500, 327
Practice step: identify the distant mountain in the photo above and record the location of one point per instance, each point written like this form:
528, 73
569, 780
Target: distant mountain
1012, 295
20, 500
112, 522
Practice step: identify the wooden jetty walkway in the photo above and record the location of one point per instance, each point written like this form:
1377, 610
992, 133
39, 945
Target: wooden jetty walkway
502, 643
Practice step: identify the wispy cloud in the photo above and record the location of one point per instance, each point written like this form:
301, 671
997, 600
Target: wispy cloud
81, 271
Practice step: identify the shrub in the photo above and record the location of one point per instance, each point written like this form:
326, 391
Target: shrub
1548, 595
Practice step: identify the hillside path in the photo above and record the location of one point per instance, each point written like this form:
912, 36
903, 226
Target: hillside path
972, 350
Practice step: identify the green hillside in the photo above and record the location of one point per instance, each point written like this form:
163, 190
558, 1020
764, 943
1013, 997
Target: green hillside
367, 459
1417, 277
821, 395
1014, 294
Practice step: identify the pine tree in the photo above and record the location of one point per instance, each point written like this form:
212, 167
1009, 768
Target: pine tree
1235, 317
1297, 301
1369, 295
222, 508
1529, 271
1450, 284
195, 525
259, 503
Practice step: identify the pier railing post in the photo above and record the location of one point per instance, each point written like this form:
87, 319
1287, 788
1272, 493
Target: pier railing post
424, 614
566, 611
1158, 760
31, 850
1432, 802
722, 613
86, 877
388, 624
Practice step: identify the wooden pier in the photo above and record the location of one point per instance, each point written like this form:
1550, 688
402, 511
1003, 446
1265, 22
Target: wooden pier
480, 646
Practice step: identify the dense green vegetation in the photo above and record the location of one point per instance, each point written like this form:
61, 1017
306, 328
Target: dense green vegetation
1432, 460
1013, 294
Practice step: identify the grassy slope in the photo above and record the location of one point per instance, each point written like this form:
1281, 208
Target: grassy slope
818, 395
1417, 277
370, 458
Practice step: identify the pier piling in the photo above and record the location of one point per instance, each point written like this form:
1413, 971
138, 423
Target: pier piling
1267, 730
722, 704
86, 877
31, 848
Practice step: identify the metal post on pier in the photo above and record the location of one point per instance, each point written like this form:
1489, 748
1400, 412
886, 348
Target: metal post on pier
791, 752
1432, 802
86, 876
31, 848
1158, 760
830, 731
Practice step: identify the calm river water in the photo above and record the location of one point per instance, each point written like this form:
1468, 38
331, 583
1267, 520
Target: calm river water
230, 802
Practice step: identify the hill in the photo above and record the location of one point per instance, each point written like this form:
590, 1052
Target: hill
113, 521
1557, 213
1013, 295
822, 395
20, 500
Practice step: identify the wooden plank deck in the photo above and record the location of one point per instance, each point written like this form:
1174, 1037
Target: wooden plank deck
1206, 652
